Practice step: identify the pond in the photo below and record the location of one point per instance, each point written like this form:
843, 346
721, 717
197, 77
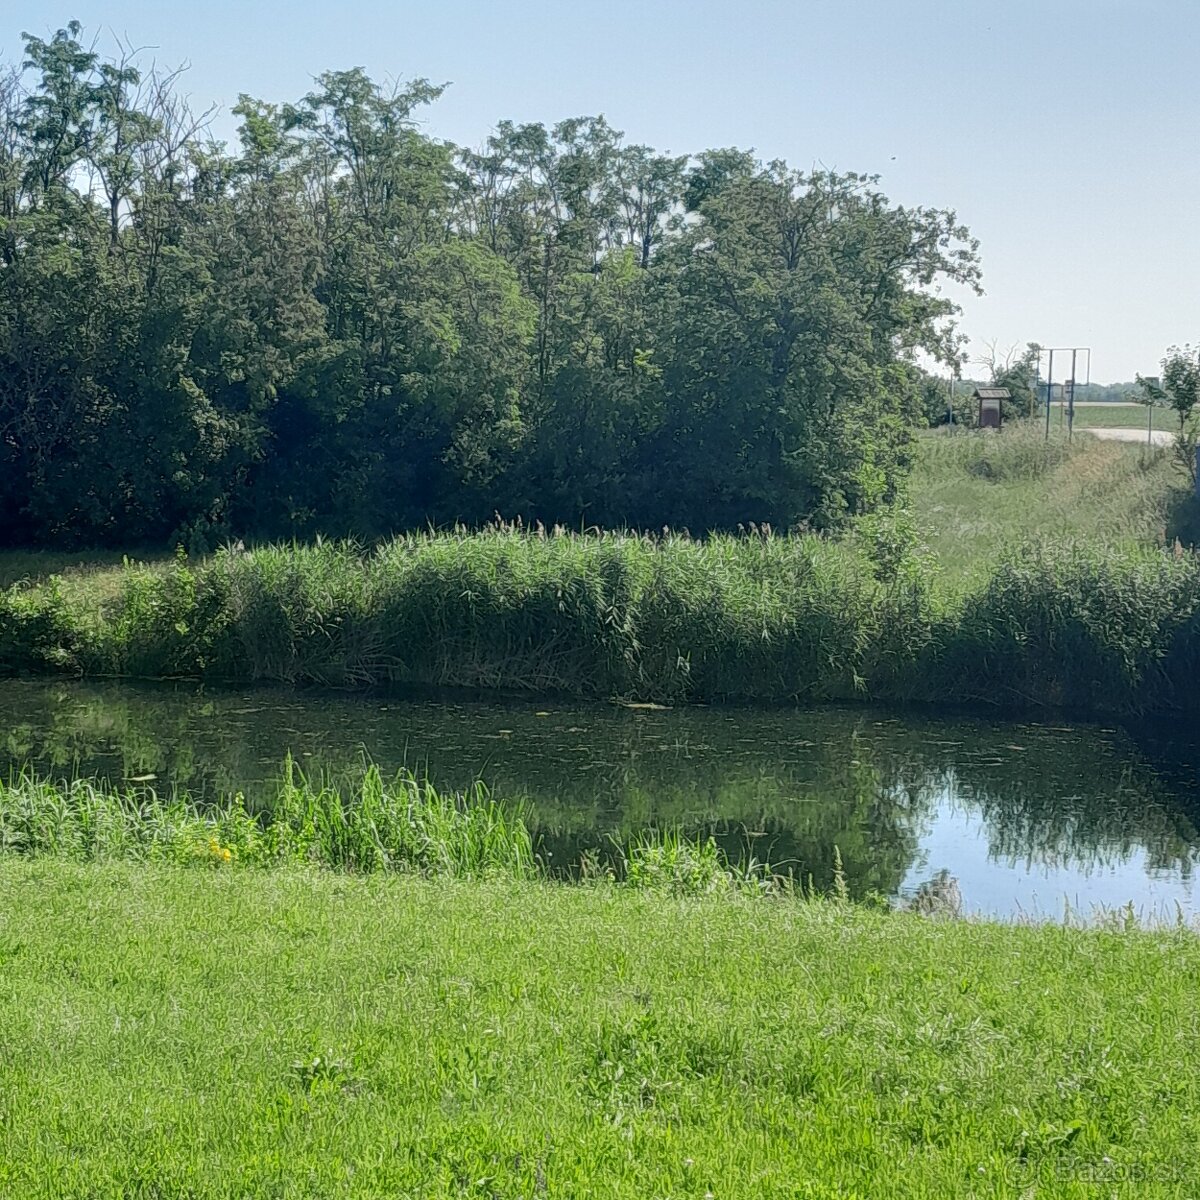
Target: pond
1030, 818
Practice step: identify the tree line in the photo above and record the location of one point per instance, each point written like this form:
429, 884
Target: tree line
342, 324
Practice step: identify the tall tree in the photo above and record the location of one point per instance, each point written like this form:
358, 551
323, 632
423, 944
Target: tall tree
342, 323
801, 303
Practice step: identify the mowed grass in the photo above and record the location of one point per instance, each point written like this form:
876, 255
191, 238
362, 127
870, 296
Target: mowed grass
974, 495
174, 1032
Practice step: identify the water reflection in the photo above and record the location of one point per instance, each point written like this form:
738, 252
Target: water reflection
1010, 809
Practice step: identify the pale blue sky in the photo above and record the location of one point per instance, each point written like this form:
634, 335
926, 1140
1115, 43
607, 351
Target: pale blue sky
1064, 132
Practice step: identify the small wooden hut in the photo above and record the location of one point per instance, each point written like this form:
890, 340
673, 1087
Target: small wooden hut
991, 406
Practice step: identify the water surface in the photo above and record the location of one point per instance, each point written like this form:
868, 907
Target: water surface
1028, 817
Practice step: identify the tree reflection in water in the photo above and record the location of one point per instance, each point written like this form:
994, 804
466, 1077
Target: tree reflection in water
785, 786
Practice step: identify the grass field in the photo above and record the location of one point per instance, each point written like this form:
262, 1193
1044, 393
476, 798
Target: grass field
169, 1032
1112, 416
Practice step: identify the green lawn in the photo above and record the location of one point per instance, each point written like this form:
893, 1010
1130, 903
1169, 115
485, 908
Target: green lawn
174, 1032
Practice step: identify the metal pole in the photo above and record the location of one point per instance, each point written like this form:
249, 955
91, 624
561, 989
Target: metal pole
1071, 401
1037, 374
1049, 392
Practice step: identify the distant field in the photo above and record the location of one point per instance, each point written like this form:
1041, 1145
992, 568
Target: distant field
975, 493
1111, 416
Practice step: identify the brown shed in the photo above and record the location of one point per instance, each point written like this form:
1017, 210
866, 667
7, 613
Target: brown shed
991, 405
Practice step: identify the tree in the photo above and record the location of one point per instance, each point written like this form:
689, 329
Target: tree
944, 400
800, 304
603, 401
1178, 389
1016, 370
343, 324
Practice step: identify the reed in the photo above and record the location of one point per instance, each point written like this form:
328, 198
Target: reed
667, 618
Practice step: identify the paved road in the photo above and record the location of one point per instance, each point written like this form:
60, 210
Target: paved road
1161, 437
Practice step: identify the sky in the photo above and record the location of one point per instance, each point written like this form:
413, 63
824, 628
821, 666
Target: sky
1064, 133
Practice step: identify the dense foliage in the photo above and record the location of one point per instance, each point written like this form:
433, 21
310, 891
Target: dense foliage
342, 324
1177, 390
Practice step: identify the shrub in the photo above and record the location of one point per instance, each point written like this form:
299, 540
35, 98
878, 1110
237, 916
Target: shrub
165, 622
37, 630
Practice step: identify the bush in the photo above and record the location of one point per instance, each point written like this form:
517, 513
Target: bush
37, 630
511, 610
166, 622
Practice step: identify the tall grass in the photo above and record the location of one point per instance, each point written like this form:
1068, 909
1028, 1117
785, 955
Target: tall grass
1021, 452
978, 496
402, 824
673, 619
1075, 626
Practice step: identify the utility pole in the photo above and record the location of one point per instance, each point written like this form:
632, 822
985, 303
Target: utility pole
1153, 382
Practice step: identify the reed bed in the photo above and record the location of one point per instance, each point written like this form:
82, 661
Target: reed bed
667, 618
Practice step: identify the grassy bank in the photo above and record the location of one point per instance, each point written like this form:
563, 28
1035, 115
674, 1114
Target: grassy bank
170, 1032
975, 497
1052, 579
399, 825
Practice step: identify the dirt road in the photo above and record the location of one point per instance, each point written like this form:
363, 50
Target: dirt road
1160, 437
